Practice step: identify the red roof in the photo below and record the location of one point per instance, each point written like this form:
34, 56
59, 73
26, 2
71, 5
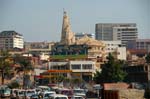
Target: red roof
137, 51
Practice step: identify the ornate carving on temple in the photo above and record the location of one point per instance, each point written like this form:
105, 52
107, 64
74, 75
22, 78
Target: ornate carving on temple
96, 48
67, 36
89, 41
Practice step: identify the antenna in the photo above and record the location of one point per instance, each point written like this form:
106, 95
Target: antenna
64, 11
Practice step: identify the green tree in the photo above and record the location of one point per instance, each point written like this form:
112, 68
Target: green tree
147, 58
111, 71
25, 66
5, 64
76, 82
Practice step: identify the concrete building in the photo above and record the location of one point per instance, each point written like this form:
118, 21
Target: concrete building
78, 69
38, 47
83, 69
116, 31
11, 40
116, 49
80, 35
121, 53
111, 46
138, 73
143, 44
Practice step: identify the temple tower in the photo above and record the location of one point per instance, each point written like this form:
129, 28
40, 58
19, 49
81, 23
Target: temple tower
67, 36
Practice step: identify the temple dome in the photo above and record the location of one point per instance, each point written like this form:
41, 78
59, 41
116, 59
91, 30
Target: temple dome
89, 41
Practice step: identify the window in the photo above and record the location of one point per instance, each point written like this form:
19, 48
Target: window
76, 66
87, 66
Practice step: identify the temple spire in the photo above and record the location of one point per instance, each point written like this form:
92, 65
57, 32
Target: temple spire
67, 36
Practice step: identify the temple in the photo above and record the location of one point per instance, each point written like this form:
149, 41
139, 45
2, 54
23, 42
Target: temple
67, 36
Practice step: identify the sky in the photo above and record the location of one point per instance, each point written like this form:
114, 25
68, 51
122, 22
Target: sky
41, 20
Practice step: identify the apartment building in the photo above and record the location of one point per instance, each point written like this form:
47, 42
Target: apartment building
116, 31
11, 40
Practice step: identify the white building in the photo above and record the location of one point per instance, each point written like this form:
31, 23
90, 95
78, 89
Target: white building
121, 53
78, 68
116, 48
11, 40
83, 69
111, 46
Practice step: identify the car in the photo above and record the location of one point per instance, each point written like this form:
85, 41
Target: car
20, 94
77, 97
29, 93
35, 96
58, 96
79, 92
47, 94
68, 92
4, 91
13, 94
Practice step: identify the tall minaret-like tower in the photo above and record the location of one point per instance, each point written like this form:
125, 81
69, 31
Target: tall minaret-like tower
67, 36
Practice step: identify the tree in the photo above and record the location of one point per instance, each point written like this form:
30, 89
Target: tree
76, 82
147, 58
25, 66
111, 71
5, 64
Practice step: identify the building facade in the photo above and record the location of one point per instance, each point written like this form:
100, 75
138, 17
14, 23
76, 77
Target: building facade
116, 31
38, 47
143, 44
138, 73
116, 48
10, 40
111, 46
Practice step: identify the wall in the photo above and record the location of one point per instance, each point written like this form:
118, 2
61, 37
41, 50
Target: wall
131, 94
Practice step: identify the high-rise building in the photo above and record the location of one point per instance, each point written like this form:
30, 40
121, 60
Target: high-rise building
11, 40
116, 31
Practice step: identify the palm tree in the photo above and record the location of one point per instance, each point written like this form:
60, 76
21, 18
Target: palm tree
25, 66
5, 64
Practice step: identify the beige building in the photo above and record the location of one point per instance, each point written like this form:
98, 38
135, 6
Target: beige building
96, 48
38, 47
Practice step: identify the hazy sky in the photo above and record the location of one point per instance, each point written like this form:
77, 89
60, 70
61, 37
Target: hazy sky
41, 20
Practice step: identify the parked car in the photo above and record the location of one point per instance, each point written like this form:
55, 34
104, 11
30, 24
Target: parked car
68, 92
79, 92
13, 93
5, 91
58, 96
77, 97
20, 94
47, 94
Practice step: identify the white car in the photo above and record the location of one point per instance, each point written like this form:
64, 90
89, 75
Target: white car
29, 93
58, 96
77, 97
47, 94
79, 92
